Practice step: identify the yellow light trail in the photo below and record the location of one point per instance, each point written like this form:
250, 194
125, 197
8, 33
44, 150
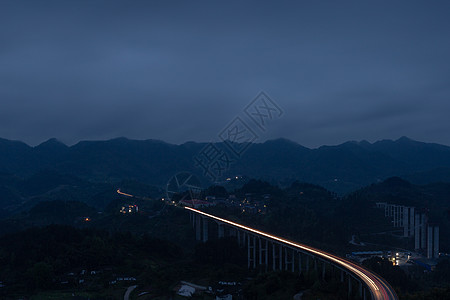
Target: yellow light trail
375, 289
125, 194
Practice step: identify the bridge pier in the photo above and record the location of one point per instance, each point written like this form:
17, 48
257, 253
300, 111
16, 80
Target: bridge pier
293, 261
349, 286
299, 263
323, 270
277, 257
233, 232
266, 258
254, 252
273, 256
205, 230
288, 262
307, 263
265, 250
280, 267
198, 228
260, 251
248, 253
251, 251
220, 230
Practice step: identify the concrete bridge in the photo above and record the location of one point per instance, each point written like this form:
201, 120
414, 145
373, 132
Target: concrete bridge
270, 251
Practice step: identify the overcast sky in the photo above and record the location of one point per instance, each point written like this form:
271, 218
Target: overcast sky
182, 70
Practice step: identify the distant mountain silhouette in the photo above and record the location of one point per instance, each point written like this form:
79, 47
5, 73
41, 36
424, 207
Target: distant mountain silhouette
340, 168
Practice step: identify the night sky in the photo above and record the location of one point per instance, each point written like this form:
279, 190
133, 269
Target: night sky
182, 70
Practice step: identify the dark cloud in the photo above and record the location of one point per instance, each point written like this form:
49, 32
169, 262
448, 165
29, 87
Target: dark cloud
179, 71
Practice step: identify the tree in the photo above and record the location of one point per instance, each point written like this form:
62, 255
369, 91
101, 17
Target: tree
39, 276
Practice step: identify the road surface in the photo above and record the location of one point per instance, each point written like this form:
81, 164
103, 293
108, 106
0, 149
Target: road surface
378, 287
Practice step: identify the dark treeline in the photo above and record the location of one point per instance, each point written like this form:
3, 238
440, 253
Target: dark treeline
34, 258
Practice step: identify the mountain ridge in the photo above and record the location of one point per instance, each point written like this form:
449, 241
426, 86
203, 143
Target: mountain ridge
340, 168
54, 140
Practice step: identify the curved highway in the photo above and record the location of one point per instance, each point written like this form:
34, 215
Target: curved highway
378, 287
124, 194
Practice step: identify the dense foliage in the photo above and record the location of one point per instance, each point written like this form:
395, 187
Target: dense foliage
35, 257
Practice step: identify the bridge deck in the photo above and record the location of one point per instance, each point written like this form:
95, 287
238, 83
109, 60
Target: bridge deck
378, 287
